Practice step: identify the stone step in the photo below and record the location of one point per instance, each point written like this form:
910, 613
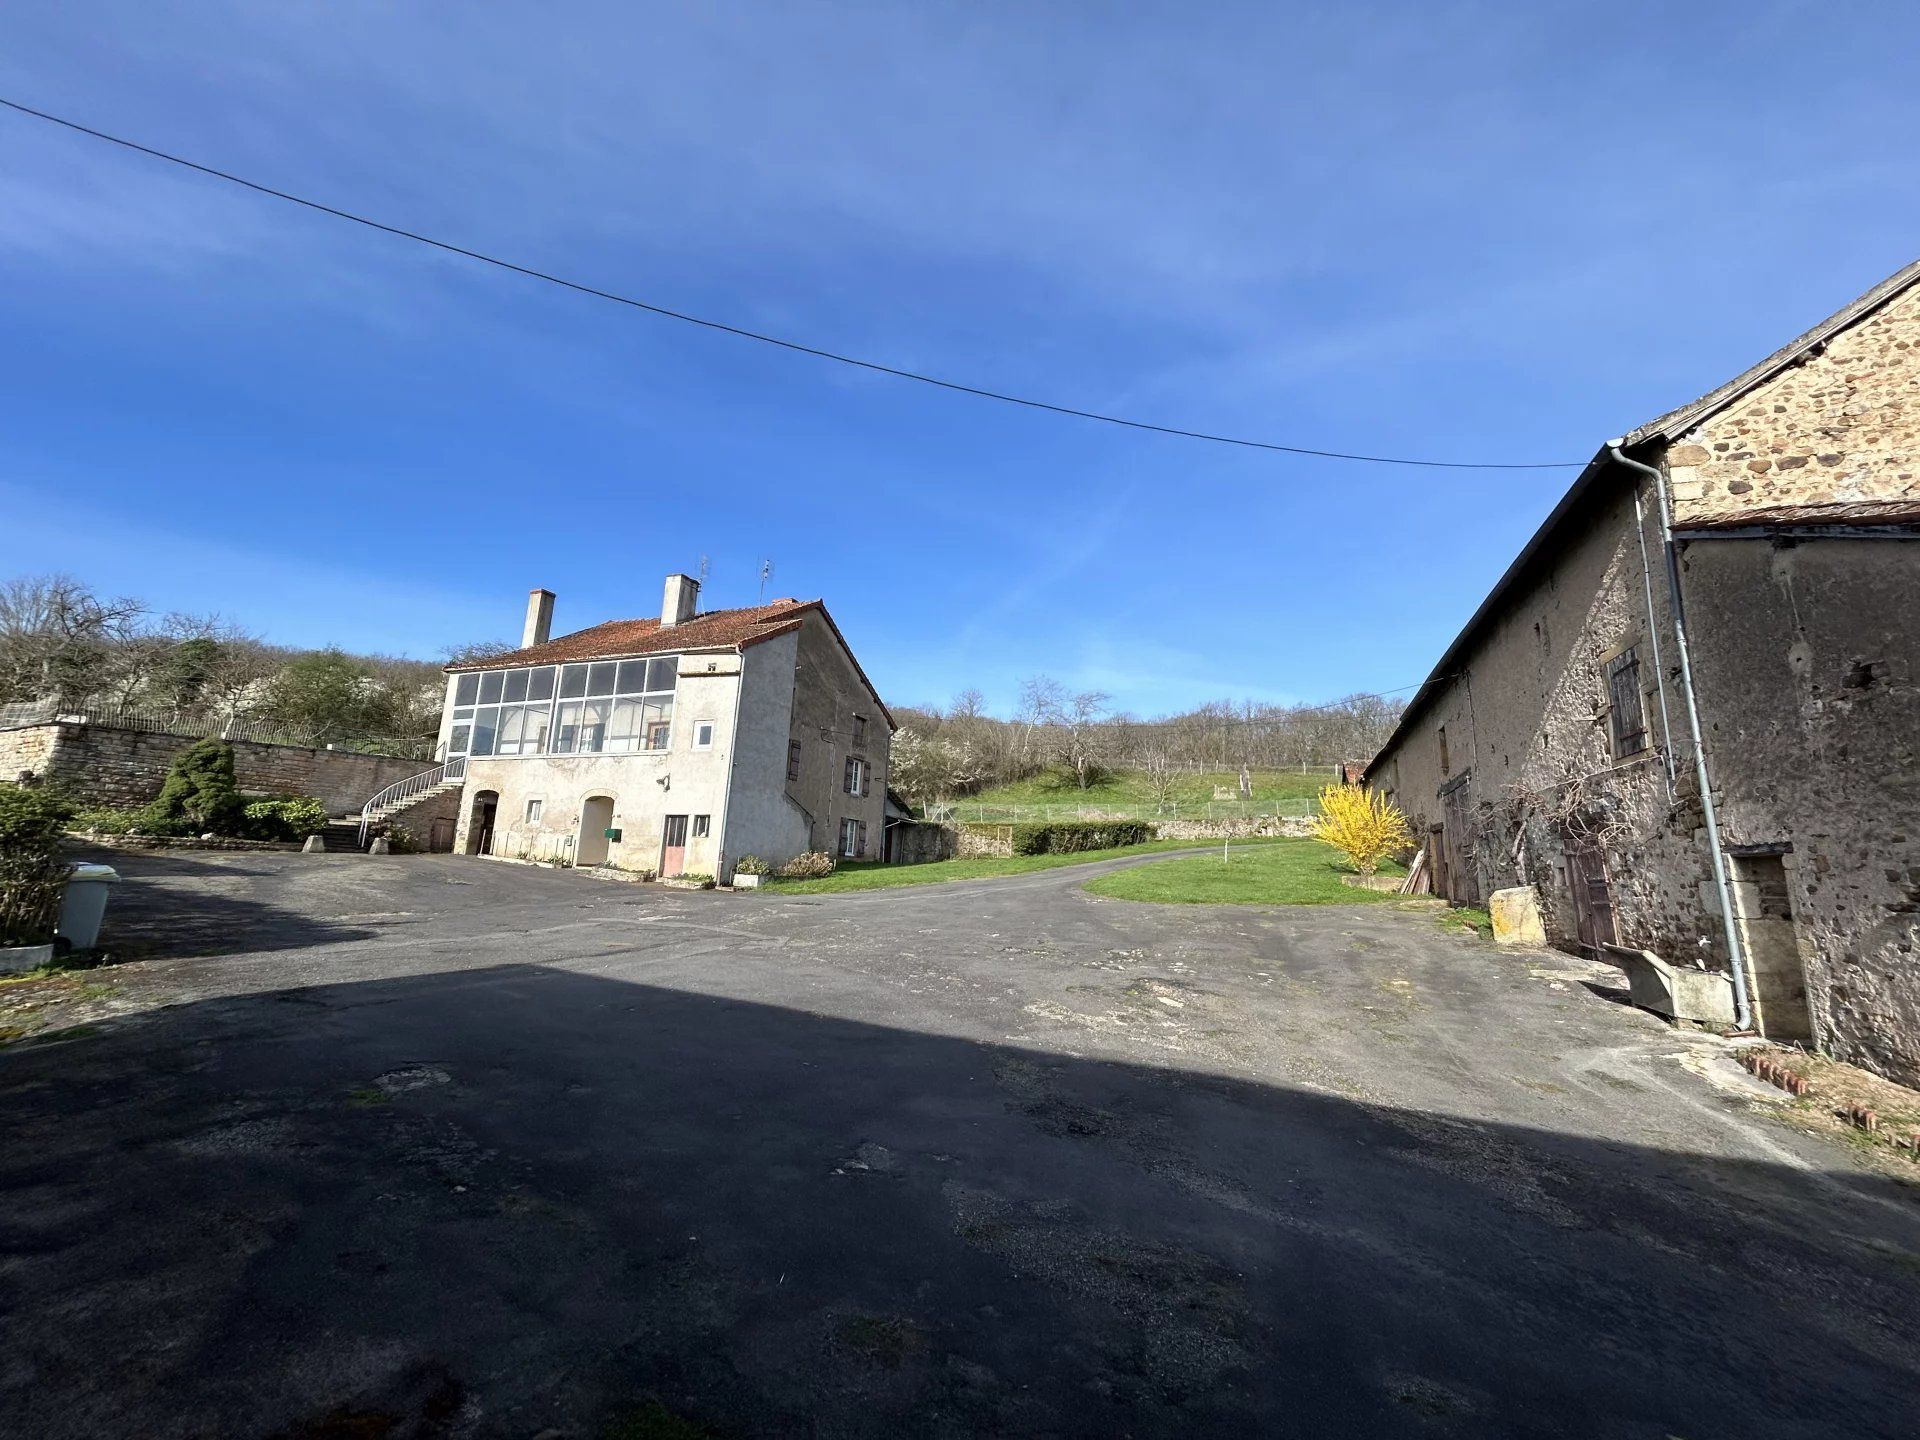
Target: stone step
341, 836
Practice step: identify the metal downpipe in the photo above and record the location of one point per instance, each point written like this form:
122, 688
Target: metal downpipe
1742, 1008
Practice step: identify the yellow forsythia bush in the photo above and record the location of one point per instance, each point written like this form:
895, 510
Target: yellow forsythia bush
1362, 825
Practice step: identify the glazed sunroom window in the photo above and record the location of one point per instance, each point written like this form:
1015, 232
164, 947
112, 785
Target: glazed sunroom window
602, 707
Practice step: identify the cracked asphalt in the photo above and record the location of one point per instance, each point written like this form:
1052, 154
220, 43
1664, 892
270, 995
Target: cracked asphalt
441, 1147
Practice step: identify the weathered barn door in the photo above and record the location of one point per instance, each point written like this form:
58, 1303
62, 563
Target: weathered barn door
1462, 885
1592, 900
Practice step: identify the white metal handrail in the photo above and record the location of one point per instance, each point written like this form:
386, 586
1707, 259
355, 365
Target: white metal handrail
454, 769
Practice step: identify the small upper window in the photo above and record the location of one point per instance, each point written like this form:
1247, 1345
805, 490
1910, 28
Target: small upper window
702, 826
533, 812
1626, 716
703, 734
793, 760
1444, 766
859, 729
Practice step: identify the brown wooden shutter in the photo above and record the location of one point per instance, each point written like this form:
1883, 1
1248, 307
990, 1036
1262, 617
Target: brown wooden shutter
863, 840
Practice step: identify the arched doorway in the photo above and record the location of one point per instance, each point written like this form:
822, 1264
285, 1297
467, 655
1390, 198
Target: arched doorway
486, 806
596, 818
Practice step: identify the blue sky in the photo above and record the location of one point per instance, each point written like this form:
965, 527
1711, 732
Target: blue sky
1469, 231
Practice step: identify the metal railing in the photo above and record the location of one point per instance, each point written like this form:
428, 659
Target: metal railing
394, 795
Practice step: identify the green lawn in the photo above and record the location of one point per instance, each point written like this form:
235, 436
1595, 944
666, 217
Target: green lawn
1285, 872
858, 875
1283, 792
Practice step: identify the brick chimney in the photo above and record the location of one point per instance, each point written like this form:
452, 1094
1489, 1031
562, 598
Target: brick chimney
539, 628
681, 600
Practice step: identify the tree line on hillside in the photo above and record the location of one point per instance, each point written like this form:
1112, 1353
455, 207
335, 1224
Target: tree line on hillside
64, 644
959, 749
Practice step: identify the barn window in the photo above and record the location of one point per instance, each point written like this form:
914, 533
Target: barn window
1627, 717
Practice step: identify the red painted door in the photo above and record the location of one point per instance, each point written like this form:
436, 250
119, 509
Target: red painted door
673, 853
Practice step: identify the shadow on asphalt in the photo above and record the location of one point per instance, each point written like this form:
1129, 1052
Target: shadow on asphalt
148, 921
513, 1200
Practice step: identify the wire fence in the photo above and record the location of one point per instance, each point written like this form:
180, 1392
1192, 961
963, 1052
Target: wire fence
198, 725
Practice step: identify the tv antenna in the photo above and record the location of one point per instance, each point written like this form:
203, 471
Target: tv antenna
766, 574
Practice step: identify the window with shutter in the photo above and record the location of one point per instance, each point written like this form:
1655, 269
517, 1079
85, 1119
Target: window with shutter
793, 760
863, 839
1627, 717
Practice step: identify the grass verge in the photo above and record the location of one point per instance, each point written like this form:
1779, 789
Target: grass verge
1281, 872
857, 875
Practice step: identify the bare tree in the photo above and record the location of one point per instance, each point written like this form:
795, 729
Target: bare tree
57, 638
1067, 725
1162, 776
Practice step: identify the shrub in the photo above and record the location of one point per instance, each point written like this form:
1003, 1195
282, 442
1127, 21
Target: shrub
1362, 825
1064, 837
401, 840
694, 877
810, 866
32, 818
33, 873
751, 865
104, 820
199, 794
282, 817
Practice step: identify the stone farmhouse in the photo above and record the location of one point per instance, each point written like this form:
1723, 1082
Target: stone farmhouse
676, 744
1688, 714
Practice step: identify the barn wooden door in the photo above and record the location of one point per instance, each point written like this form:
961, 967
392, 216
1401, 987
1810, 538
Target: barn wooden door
1592, 900
1462, 882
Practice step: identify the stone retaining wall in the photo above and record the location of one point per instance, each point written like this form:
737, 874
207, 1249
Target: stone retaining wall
100, 765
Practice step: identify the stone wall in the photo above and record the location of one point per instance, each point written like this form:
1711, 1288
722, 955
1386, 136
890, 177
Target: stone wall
100, 765
1841, 424
1292, 825
1807, 660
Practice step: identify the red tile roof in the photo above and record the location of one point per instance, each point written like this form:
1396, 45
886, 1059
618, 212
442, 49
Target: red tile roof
617, 639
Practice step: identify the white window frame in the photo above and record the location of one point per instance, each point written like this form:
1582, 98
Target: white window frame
853, 777
849, 838
708, 726
700, 827
535, 807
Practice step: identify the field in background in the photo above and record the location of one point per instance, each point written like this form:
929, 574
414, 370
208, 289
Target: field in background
1128, 794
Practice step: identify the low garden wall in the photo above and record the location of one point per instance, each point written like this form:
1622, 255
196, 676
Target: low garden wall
1296, 826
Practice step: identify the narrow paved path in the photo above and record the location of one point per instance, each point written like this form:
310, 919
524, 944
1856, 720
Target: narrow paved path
441, 1147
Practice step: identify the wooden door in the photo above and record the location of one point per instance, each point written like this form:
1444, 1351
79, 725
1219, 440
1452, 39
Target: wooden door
1592, 899
1463, 884
673, 849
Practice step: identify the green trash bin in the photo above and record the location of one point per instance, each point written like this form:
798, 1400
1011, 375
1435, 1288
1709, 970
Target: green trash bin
84, 905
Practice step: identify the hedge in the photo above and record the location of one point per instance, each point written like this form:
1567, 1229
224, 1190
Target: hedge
1062, 837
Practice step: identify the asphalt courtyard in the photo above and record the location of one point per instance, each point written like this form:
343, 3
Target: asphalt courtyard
441, 1147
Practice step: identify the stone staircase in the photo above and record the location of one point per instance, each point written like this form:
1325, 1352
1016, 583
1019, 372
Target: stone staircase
340, 836
342, 833
382, 813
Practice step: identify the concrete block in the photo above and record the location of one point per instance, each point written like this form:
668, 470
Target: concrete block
379, 846
1516, 916
314, 846
1676, 991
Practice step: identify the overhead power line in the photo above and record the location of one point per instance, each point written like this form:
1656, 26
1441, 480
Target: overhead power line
796, 346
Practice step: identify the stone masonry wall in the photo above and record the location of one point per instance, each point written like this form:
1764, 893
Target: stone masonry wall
1843, 424
100, 765
1807, 659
